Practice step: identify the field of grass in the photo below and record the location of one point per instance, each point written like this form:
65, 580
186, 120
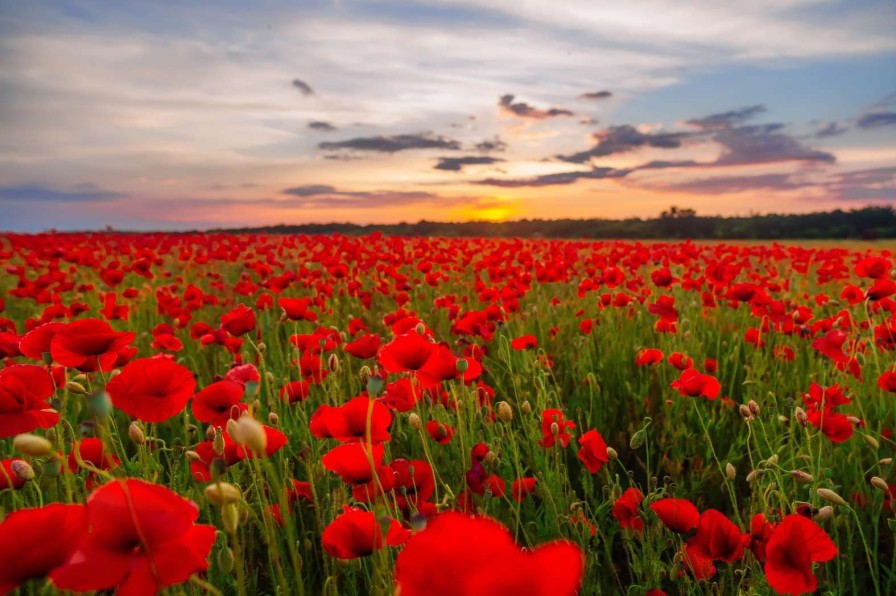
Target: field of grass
375, 414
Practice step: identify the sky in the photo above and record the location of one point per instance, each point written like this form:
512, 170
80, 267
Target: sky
194, 115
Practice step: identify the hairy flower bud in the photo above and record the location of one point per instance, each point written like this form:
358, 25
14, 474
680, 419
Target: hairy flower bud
754, 407
526, 408
505, 413
830, 496
250, 432
801, 477
22, 469
801, 416
414, 421
824, 513
33, 445
879, 483
222, 493
730, 472
135, 432
871, 441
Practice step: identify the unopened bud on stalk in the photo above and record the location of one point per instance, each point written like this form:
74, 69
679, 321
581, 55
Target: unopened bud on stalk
22, 469
364, 374
745, 412
32, 445
420, 328
193, 456
824, 513
638, 439
76, 388
886, 461
802, 477
879, 483
754, 407
730, 471
250, 432
505, 413
783, 419
210, 433
79, 378
611, 453
772, 461
801, 416
830, 496
135, 432
490, 457
225, 559
269, 377
222, 493
262, 347
754, 475
333, 363
230, 517
218, 441
273, 418
555, 429
414, 421
871, 441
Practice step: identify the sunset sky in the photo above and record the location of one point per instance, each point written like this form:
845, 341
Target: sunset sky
180, 115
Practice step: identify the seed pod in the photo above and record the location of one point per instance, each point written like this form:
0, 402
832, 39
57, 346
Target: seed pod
33, 445
462, 365
879, 483
222, 493
830, 496
420, 328
414, 421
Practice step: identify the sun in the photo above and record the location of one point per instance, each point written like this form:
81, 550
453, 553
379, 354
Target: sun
493, 209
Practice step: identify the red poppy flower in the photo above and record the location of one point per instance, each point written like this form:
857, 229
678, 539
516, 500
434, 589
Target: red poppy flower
296, 309
152, 389
356, 463
357, 533
295, 391
625, 509
89, 345
459, 554
244, 374
359, 418
142, 538
873, 267
524, 342
201, 468
274, 441
681, 361
444, 366
887, 381
413, 483
831, 345
679, 515
33, 542
692, 383
439, 432
550, 419
407, 352
760, 531
239, 321
717, 538
522, 488
24, 390
36, 343
593, 452
795, 544
648, 356
218, 403
364, 347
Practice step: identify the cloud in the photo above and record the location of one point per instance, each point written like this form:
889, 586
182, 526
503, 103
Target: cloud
326, 196
830, 129
734, 184
556, 179
39, 193
302, 86
523, 110
321, 126
871, 120
310, 190
725, 120
621, 139
392, 144
596, 95
456, 164
489, 145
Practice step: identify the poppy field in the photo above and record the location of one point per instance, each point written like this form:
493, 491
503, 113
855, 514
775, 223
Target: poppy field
264, 414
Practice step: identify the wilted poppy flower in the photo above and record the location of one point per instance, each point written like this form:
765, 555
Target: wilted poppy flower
357, 533
795, 544
459, 554
679, 515
239, 321
152, 389
593, 452
361, 418
24, 390
142, 538
89, 345
554, 429
717, 538
218, 403
33, 542
692, 383
625, 509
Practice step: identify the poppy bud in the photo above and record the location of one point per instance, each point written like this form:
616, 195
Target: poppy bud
611, 453
333, 363
555, 429
801, 416
420, 328
273, 418
136, 433
262, 347
364, 374
730, 472
79, 378
193, 456
879, 483
754, 475
886, 461
32, 445
871, 441
824, 513
745, 412
230, 517
802, 477
250, 432
490, 457
76, 388
269, 377
830, 496
783, 419
375, 385
218, 441
526, 408
772, 461
638, 439
222, 493
414, 421
225, 559
505, 413
754, 407
22, 469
